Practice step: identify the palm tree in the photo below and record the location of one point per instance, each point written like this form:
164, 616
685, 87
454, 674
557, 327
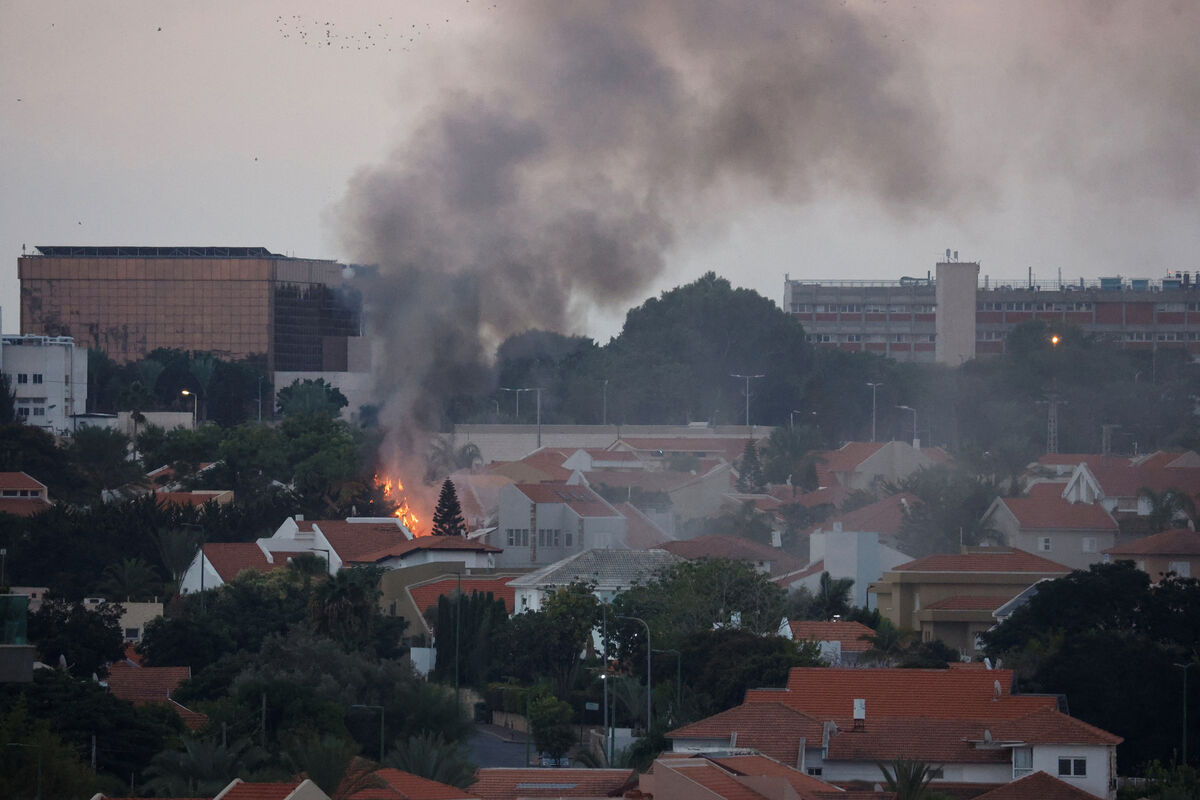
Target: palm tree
130, 579
1166, 507
201, 768
833, 597
909, 778
343, 606
888, 641
177, 547
203, 368
332, 764
432, 757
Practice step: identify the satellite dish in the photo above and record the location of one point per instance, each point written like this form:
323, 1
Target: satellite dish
996, 689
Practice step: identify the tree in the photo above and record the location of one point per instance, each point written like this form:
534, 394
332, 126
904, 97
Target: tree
8, 401
201, 767
102, 455
34, 761
909, 778
130, 579
1166, 507
750, 474
550, 723
430, 756
330, 762
720, 665
950, 511
344, 605
547, 644
88, 638
448, 516
832, 598
311, 397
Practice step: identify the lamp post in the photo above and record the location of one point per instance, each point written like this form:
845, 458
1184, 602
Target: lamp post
539, 391
604, 403
649, 659
381, 711
916, 441
873, 386
517, 392
260, 380
748, 378
1185, 668
328, 558
194, 397
38, 795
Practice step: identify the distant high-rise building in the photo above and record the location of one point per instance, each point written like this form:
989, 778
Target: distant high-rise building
292, 314
949, 317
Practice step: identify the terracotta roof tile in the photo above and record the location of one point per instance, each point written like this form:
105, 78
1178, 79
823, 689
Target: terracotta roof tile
805, 785
966, 602
1045, 511
20, 480
1037, 786
734, 548
847, 457
852, 635
129, 682
231, 558
1125, 480
789, 495
259, 791
426, 595
504, 783
580, 499
24, 506
1177, 542
932, 740
359, 542
426, 543
413, 787
883, 516
829, 693
715, 781
984, 559
1050, 726
729, 448
769, 727
789, 578
192, 720
664, 480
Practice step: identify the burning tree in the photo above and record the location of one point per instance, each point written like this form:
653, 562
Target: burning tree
448, 516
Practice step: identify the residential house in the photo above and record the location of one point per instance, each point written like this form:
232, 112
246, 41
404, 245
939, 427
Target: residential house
400, 785
135, 617
542, 523
1117, 483
22, 495
410, 592
965, 720
670, 496
738, 775
145, 685
860, 545
842, 643
512, 783
1036, 786
951, 597
768, 560
865, 465
609, 572
296, 789
1170, 552
1048, 523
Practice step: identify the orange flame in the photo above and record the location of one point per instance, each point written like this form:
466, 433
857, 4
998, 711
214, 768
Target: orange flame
393, 490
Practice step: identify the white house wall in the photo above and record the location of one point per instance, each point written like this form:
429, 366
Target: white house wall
1045, 759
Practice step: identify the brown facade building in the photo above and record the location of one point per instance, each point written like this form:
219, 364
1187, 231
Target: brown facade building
291, 314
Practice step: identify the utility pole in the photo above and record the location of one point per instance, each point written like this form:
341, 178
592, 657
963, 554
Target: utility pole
873, 386
748, 378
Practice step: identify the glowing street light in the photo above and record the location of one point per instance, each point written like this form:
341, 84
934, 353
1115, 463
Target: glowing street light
195, 399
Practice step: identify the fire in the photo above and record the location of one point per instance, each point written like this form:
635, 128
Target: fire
393, 490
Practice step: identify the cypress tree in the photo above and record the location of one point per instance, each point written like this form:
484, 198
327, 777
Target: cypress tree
448, 516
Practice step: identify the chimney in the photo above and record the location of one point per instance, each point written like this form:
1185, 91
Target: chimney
860, 713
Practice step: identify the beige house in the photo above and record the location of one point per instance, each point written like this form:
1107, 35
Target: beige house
951, 597
863, 465
1175, 551
1071, 532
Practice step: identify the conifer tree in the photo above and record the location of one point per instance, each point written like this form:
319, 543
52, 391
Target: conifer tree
750, 476
448, 516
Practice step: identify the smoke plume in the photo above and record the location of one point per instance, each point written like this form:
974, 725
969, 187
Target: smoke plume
593, 137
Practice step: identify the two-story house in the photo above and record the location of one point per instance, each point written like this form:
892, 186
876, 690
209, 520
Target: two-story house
1050, 523
542, 523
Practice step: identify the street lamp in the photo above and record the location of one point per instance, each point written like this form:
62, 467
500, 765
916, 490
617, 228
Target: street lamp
874, 386
649, 658
1185, 668
748, 378
604, 404
381, 717
517, 414
38, 795
916, 441
192, 395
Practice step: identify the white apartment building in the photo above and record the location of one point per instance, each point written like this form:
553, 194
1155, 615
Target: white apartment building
48, 378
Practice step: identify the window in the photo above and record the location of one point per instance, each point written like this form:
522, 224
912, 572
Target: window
131, 634
39, 412
853, 337
1044, 544
22, 377
1022, 761
1089, 544
1072, 767
1181, 568
814, 771
23, 411
37, 377
570, 539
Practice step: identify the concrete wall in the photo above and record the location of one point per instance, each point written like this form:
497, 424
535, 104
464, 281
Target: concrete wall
1099, 766
60, 371
955, 291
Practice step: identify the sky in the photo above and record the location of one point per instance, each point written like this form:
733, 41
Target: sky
824, 140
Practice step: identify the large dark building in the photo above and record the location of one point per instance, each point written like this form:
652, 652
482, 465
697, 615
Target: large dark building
291, 314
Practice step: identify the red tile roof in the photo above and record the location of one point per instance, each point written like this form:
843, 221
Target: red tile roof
231, 558
729, 448
848, 457
407, 786
426, 595
182, 499
804, 785
984, 559
1050, 726
829, 693
850, 634
504, 783
1177, 542
789, 578
641, 533
548, 462
792, 495
933, 740
734, 548
966, 602
129, 682
426, 543
1126, 480
20, 480
883, 516
258, 791
769, 727
1037, 786
363, 542
1045, 511
715, 781
664, 480
580, 499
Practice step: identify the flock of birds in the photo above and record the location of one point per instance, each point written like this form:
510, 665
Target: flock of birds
321, 34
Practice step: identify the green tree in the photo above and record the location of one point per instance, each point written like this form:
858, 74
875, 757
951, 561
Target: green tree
130, 579
8, 401
330, 762
909, 778
448, 516
1167, 508
466, 627
88, 638
790, 456
547, 644
343, 606
430, 756
550, 724
202, 369
36, 763
750, 475
720, 665
832, 598
202, 767
101, 454
950, 511
311, 397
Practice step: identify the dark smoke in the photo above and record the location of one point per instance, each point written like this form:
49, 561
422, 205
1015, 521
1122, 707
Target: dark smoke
597, 134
